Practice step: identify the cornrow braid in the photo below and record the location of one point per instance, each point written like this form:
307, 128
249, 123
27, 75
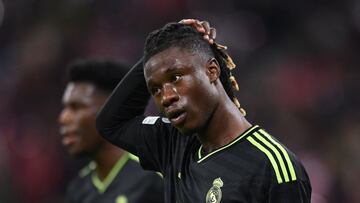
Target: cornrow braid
185, 36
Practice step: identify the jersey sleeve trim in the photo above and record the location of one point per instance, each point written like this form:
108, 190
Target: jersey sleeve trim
150, 120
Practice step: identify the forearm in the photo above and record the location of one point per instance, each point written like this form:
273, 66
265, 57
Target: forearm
128, 100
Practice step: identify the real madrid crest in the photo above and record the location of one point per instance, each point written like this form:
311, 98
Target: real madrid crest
214, 194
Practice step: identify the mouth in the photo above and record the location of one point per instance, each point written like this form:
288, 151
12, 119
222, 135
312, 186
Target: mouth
177, 117
69, 138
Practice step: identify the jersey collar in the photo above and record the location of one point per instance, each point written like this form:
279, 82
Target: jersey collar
242, 135
101, 186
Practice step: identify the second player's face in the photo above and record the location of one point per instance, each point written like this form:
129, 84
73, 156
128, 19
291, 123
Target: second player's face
181, 88
77, 119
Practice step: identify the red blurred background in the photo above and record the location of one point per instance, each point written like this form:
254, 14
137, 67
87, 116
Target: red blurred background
297, 67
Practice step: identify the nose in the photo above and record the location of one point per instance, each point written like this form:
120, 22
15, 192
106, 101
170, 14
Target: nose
169, 96
64, 117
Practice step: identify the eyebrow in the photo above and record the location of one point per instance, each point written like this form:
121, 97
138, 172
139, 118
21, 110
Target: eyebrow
169, 69
174, 68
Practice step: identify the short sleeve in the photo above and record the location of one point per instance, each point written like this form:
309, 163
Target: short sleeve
295, 192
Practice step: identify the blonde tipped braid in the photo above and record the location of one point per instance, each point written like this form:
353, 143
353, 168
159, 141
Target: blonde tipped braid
231, 65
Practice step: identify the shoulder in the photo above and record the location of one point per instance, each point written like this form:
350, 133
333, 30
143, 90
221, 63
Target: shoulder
275, 158
80, 183
139, 178
83, 174
133, 168
147, 184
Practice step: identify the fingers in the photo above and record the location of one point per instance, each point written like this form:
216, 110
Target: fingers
206, 26
202, 27
212, 35
194, 23
207, 35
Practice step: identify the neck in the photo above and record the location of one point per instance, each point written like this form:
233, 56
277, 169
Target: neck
224, 126
105, 159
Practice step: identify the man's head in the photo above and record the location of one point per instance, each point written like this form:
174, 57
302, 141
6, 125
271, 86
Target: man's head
89, 84
186, 75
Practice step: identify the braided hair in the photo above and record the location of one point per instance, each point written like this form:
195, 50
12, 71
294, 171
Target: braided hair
185, 36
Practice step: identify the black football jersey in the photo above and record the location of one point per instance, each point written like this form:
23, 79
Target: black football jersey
127, 182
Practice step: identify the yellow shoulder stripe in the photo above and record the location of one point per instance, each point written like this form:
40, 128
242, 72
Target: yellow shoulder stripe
286, 155
279, 151
269, 155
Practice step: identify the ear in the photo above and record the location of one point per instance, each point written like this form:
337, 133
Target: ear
213, 69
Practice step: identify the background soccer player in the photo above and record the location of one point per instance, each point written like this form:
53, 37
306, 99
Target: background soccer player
114, 175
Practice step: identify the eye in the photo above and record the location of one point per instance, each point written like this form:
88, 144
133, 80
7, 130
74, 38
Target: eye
176, 78
75, 106
155, 91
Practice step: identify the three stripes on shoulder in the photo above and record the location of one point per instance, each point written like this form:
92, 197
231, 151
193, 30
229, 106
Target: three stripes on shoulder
265, 143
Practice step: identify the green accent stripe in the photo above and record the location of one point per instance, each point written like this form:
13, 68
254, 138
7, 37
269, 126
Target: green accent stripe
159, 174
133, 157
286, 155
226, 146
269, 155
278, 156
87, 169
102, 185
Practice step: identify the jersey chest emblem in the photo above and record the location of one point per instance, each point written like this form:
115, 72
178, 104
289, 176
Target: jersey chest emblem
121, 199
214, 194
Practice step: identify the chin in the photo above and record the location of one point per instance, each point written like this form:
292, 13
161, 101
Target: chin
186, 131
77, 153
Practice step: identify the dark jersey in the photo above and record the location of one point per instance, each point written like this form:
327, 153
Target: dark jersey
255, 167
127, 182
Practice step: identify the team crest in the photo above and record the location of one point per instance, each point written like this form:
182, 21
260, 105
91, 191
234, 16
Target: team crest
121, 199
214, 194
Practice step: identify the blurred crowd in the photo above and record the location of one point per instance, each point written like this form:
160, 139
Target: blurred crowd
297, 67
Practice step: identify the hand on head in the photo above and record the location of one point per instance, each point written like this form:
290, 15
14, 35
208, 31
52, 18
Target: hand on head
202, 27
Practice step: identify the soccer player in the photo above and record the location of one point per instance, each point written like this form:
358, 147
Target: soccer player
113, 175
204, 147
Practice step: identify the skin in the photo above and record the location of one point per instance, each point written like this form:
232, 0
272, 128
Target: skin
81, 101
202, 27
187, 89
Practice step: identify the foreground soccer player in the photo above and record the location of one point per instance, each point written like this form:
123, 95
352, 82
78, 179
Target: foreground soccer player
205, 148
114, 175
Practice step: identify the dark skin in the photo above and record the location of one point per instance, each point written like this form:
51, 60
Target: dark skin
202, 27
187, 89
81, 101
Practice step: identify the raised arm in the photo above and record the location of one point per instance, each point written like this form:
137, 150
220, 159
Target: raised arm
128, 100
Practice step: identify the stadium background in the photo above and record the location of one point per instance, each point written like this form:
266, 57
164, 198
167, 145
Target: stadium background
298, 71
